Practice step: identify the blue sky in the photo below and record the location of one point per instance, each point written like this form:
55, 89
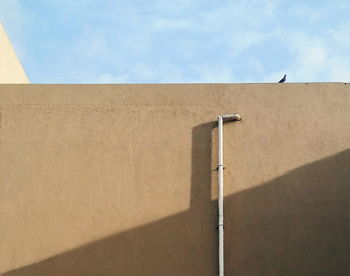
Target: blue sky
180, 41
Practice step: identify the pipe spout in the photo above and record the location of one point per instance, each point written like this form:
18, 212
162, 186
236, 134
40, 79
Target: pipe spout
231, 117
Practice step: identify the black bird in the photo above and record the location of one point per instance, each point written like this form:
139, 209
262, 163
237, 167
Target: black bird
283, 79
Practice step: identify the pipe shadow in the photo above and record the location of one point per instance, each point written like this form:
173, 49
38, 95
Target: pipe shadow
296, 224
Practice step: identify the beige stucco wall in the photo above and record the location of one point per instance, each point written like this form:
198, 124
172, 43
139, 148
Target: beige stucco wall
121, 179
11, 70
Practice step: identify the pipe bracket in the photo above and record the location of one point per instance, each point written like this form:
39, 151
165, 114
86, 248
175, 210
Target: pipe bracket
217, 227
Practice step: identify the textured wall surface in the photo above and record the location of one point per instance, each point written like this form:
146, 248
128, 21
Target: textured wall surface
121, 179
11, 70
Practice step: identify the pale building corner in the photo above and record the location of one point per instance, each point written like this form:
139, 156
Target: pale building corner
11, 70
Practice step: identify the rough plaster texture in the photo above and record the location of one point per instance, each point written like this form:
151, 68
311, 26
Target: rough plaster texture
11, 70
121, 179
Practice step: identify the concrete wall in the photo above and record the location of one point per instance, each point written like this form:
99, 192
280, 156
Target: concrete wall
121, 179
11, 70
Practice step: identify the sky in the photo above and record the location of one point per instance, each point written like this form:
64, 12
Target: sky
180, 41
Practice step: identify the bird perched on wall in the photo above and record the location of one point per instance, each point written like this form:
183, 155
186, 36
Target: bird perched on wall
283, 79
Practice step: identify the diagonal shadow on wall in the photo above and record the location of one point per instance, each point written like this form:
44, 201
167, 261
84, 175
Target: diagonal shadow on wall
296, 224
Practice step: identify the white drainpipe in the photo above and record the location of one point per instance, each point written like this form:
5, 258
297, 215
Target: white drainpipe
221, 119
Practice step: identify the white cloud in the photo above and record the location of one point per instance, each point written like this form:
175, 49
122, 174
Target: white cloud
243, 41
171, 24
320, 57
108, 78
143, 72
210, 73
339, 69
301, 12
311, 56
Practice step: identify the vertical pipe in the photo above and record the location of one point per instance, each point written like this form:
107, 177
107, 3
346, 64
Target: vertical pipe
221, 119
221, 196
